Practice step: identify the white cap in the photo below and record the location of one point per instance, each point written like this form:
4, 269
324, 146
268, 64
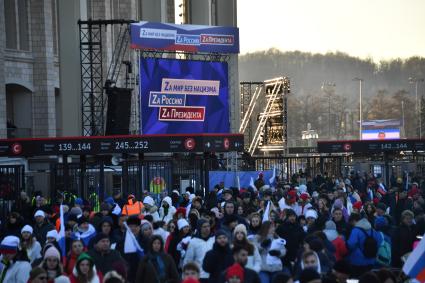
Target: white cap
27, 228
181, 223
39, 213
10, 242
149, 200
52, 234
311, 213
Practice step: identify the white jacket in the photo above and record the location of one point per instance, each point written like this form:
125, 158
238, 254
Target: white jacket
254, 261
196, 252
171, 210
34, 252
18, 272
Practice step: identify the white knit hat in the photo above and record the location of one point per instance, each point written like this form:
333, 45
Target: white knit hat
149, 200
27, 228
39, 213
240, 228
311, 213
181, 223
52, 252
52, 234
9, 244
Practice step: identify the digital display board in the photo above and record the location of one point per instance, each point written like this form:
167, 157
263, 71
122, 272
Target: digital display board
120, 144
381, 134
183, 96
372, 146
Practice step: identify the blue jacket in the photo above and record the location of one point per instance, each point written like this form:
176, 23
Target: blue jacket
356, 242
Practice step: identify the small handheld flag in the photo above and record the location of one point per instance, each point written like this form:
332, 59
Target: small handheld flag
62, 240
130, 243
414, 267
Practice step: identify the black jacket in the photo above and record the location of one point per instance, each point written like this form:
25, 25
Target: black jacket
294, 236
105, 261
217, 260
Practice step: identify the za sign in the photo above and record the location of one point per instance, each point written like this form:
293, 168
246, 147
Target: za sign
190, 38
183, 97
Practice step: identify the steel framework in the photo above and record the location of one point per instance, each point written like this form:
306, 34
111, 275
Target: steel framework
265, 115
92, 78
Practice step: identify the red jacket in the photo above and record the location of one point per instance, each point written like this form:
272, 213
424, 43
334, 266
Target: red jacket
340, 248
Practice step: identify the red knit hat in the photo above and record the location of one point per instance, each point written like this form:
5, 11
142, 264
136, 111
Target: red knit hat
235, 270
181, 210
358, 205
190, 280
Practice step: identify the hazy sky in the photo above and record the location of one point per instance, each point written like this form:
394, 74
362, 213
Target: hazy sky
380, 29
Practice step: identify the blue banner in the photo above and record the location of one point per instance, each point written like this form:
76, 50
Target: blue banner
230, 178
190, 38
183, 96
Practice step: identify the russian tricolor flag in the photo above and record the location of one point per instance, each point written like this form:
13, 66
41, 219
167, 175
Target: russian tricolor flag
414, 267
130, 243
62, 240
272, 180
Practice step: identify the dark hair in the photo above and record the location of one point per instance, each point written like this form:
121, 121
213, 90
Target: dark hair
238, 248
281, 277
307, 254
355, 217
81, 277
156, 238
191, 266
369, 277
385, 274
264, 230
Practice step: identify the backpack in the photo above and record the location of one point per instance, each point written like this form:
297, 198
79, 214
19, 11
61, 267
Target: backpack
384, 253
370, 246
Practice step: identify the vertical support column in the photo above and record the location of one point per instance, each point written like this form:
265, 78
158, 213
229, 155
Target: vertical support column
44, 120
82, 175
125, 175
101, 180
65, 173
69, 12
387, 168
3, 118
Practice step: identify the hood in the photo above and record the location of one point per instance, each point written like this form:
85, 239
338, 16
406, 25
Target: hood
363, 224
87, 233
198, 227
168, 201
318, 268
331, 234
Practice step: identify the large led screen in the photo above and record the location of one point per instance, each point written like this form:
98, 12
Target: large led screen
183, 96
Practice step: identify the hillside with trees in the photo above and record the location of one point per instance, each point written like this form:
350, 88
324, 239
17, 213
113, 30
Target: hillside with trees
333, 110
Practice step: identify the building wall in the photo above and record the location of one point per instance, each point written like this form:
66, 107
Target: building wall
54, 88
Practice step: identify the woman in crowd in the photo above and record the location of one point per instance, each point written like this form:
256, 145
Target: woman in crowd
30, 244
77, 248
52, 264
156, 265
240, 238
85, 271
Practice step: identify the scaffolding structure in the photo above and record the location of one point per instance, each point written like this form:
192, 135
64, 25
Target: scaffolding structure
264, 112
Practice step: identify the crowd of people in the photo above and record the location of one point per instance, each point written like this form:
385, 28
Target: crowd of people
311, 229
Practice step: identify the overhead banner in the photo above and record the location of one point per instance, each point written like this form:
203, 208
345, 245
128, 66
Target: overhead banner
190, 38
183, 96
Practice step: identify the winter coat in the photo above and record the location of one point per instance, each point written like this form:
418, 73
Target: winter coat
166, 217
340, 248
85, 236
147, 272
402, 240
254, 260
356, 241
70, 263
18, 272
34, 252
105, 261
154, 212
196, 252
263, 249
217, 260
40, 231
294, 236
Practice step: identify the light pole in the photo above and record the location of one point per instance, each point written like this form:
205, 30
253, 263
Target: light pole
329, 89
360, 106
417, 105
